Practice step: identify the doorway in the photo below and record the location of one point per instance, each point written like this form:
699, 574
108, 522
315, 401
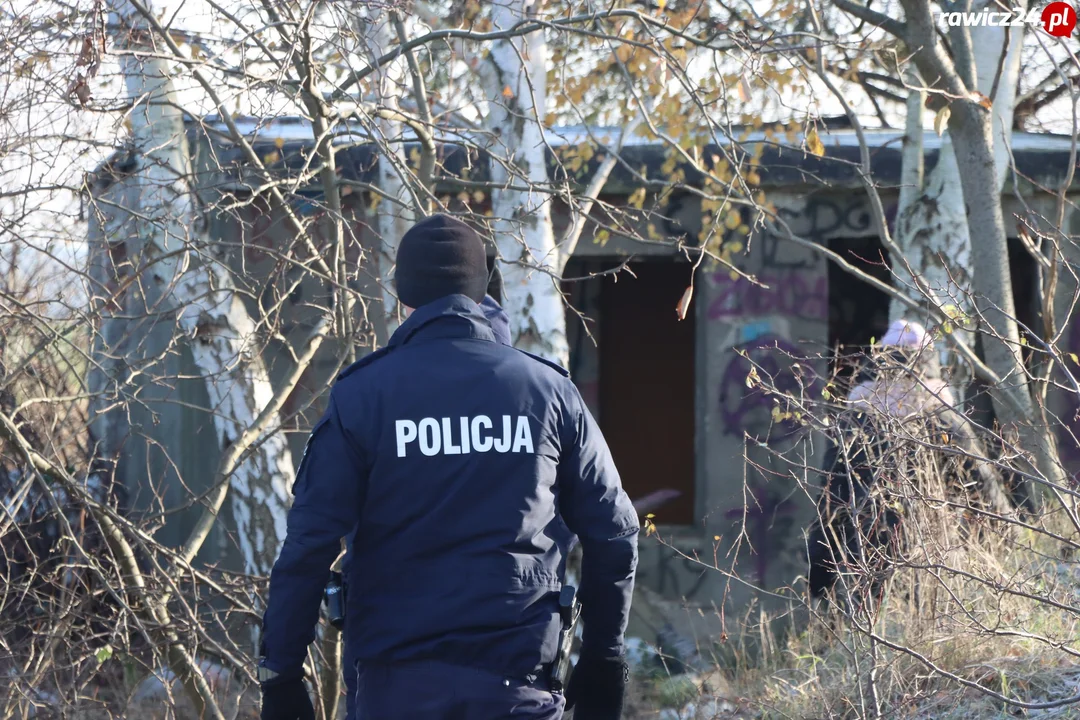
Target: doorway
645, 385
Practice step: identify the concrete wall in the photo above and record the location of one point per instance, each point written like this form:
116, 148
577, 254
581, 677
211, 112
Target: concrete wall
146, 386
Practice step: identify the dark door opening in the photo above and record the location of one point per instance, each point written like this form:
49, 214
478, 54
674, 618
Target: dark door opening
645, 382
858, 311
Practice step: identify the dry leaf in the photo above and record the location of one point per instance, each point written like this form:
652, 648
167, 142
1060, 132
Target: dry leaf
507, 92
661, 4
279, 142
813, 142
744, 89
684, 302
982, 99
941, 120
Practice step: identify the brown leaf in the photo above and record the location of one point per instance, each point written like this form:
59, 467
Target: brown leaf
507, 92
982, 99
813, 142
684, 302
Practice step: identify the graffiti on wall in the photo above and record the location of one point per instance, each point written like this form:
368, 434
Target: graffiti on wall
764, 518
794, 293
766, 322
743, 409
822, 219
790, 284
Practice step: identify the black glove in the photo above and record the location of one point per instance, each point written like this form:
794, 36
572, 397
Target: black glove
597, 688
286, 700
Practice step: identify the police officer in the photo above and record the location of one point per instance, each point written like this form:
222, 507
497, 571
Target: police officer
451, 462
500, 328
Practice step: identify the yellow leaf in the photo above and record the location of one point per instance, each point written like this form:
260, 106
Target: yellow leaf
1073, 357
637, 198
507, 92
941, 119
684, 302
813, 142
270, 158
753, 177
279, 142
661, 4
732, 220
744, 89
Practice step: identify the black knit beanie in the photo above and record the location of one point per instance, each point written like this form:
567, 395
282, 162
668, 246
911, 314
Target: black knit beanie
440, 256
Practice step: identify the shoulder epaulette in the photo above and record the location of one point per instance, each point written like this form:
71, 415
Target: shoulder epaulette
558, 368
365, 361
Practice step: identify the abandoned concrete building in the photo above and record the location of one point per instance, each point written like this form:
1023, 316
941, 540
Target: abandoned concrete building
670, 395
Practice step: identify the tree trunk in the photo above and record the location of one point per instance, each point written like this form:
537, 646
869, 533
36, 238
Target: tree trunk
394, 212
515, 79
932, 227
192, 276
971, 127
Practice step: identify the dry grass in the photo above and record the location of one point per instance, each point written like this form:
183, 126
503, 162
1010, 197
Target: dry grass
959, 603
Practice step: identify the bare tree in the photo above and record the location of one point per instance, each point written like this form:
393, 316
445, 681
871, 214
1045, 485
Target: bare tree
163, 355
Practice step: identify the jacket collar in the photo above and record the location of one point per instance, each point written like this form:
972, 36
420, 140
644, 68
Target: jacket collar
453, 316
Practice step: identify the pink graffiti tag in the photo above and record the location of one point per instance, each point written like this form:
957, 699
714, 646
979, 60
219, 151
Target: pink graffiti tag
792, 293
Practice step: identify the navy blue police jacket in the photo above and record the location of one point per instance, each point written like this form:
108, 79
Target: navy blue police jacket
453, 464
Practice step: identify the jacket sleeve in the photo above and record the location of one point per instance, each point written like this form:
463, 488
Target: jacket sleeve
597, 510
329, 490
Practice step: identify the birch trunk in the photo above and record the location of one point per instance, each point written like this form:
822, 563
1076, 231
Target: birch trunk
192, 276
972, 129
515, 79
394, 215
932, 227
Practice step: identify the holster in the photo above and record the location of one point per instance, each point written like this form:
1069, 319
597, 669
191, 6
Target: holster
569, 612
